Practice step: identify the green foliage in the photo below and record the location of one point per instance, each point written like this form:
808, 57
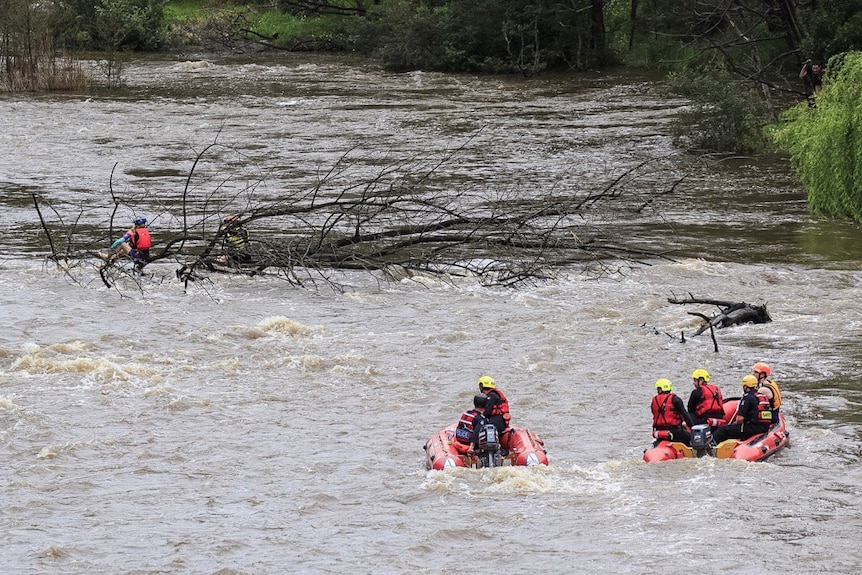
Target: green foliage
287, 27
617, 23
833, 27
130, 24
405, 37
825, 143
179, 10
109, 24
482, 35
661, 54
648, 42
30, 58
725, 115
740, 35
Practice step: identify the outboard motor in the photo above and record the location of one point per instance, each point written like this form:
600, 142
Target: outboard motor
701, 440
489, 447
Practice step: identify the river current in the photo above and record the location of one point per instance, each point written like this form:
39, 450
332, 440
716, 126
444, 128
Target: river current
246, 426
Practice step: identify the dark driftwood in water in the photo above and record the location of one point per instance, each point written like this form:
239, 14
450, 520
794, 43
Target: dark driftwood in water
45, 227
397, 221
730, 313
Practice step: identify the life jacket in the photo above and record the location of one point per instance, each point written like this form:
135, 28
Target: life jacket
140, 239
663, 413
764, 410
776, 393
711, 401
500, 408
236, 237
464, 429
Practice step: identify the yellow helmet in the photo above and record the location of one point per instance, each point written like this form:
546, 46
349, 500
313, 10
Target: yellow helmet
698, 373
486, 382
664, 385
749, 381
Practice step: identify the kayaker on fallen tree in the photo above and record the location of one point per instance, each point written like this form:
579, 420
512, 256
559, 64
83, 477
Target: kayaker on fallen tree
668, 414
753, 414
135, 244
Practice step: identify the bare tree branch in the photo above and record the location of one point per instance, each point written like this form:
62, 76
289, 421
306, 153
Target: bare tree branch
397, 221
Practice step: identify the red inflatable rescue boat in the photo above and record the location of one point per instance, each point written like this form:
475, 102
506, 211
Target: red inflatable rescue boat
755, 448
520, 446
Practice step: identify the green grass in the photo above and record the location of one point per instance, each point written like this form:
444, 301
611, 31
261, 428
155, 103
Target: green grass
178, 10
266, 22
274, 22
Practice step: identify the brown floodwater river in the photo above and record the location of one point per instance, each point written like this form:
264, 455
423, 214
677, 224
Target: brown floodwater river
247, 426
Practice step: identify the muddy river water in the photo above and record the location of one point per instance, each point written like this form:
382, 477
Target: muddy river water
247, 426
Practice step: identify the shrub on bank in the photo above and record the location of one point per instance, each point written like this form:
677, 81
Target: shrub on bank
825, 141
725, 115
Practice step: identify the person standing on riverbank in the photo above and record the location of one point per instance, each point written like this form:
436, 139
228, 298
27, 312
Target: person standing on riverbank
812, 73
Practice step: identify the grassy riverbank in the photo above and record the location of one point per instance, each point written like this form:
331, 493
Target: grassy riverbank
208, 22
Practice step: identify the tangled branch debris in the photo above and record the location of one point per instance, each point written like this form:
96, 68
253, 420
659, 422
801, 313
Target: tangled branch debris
399, 221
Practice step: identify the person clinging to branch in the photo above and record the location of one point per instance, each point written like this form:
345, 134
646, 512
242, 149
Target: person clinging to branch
134, 244
235, 241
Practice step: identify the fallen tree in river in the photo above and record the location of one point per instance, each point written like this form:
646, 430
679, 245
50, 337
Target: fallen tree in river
729, 313
399, 221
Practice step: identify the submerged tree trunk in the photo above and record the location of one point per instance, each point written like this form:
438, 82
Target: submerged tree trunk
730, 313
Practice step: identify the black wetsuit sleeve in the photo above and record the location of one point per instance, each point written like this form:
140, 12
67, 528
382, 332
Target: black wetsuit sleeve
680, 407
477, 425
746, 406
493, 399
694, 399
